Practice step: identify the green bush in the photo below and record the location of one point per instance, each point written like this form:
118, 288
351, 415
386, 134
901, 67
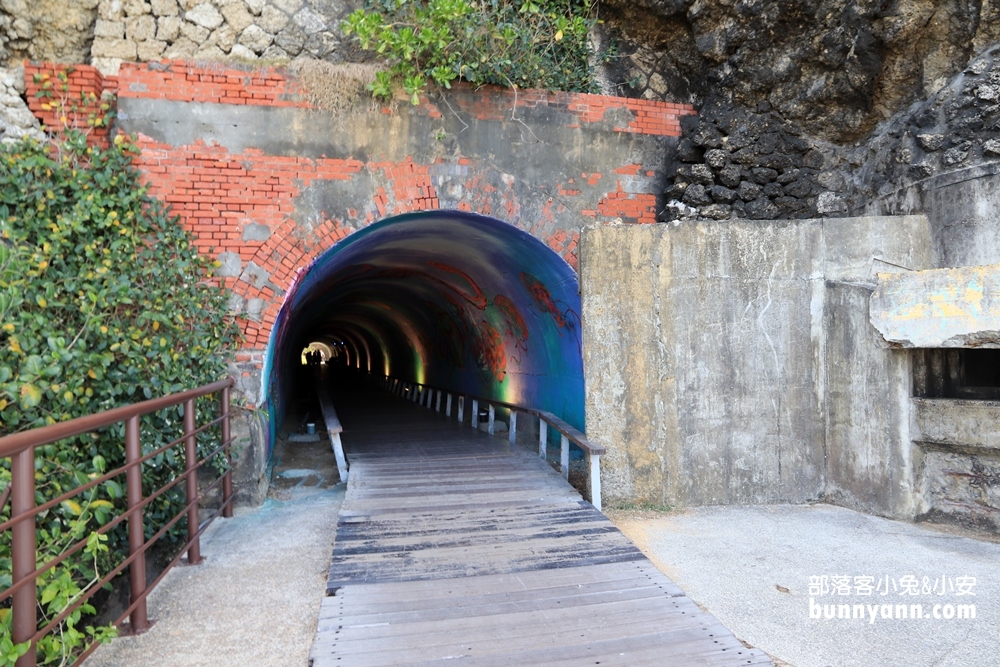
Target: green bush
513, 43
104, 301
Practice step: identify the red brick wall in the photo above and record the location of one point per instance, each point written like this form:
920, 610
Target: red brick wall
217, 193
66, 97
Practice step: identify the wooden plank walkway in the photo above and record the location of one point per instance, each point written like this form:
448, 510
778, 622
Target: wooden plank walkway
454, 545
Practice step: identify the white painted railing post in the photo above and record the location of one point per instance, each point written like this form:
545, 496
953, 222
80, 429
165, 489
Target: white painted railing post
543, 438
475, 413
490, 428
437, 406
564, 455
447, 408
461, 409
415, 390
338, 453
595, 480
512, 429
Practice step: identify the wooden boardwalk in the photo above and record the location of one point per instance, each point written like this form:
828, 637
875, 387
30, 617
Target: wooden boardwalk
453, 545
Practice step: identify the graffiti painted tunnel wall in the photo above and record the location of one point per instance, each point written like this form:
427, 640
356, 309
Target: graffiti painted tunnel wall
445, 298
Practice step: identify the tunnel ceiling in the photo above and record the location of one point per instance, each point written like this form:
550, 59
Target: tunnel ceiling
451, 299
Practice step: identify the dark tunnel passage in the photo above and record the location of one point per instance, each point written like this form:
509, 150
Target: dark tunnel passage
455, 300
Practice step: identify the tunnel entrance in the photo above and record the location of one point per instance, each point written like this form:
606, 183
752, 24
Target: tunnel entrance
456, 300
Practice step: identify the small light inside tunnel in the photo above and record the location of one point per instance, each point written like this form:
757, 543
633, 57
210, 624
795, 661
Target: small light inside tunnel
316, 354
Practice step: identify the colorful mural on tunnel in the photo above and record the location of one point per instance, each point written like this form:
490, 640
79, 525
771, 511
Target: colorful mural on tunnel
446, 298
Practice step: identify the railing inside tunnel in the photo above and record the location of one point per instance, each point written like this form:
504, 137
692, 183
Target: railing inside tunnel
19, 531
437, 398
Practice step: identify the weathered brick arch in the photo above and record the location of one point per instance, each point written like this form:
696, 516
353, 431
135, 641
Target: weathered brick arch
289, 251
267, 182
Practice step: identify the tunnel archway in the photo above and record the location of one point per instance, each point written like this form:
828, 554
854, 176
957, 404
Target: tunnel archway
447, 298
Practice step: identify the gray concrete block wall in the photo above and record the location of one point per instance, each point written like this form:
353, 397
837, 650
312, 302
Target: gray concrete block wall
745, 398
735, 363
869, 454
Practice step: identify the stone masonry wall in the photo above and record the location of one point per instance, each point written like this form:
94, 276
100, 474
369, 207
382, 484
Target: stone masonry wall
736, 163
16, 119
241, 30
54, 30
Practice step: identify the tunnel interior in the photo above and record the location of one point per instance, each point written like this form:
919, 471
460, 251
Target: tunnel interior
454, 300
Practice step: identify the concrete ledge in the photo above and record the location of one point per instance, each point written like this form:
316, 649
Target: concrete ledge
939, 308
954, 423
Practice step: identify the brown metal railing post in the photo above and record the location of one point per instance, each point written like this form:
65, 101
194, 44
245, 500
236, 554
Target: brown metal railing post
191, 482
22, 469
136, 537
227, 482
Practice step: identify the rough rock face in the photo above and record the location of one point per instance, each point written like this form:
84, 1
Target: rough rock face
246, 30
832, 67
753, 164
16, 120
743, 164
956, 128
803, 104
56, 30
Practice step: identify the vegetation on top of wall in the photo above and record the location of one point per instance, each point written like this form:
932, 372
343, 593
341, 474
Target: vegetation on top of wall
513, 43
104, 301
333, 86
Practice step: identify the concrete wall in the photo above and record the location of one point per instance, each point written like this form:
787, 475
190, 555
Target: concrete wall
962, 207
958, 460
735, 363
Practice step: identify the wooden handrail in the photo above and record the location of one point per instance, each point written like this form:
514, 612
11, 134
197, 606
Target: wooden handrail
574, 435
567, 432
333, 427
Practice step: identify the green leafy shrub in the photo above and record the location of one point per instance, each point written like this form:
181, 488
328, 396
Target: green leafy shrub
104, 301
522, 43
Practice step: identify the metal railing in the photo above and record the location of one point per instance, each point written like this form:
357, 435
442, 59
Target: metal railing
20, 449
434, 397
